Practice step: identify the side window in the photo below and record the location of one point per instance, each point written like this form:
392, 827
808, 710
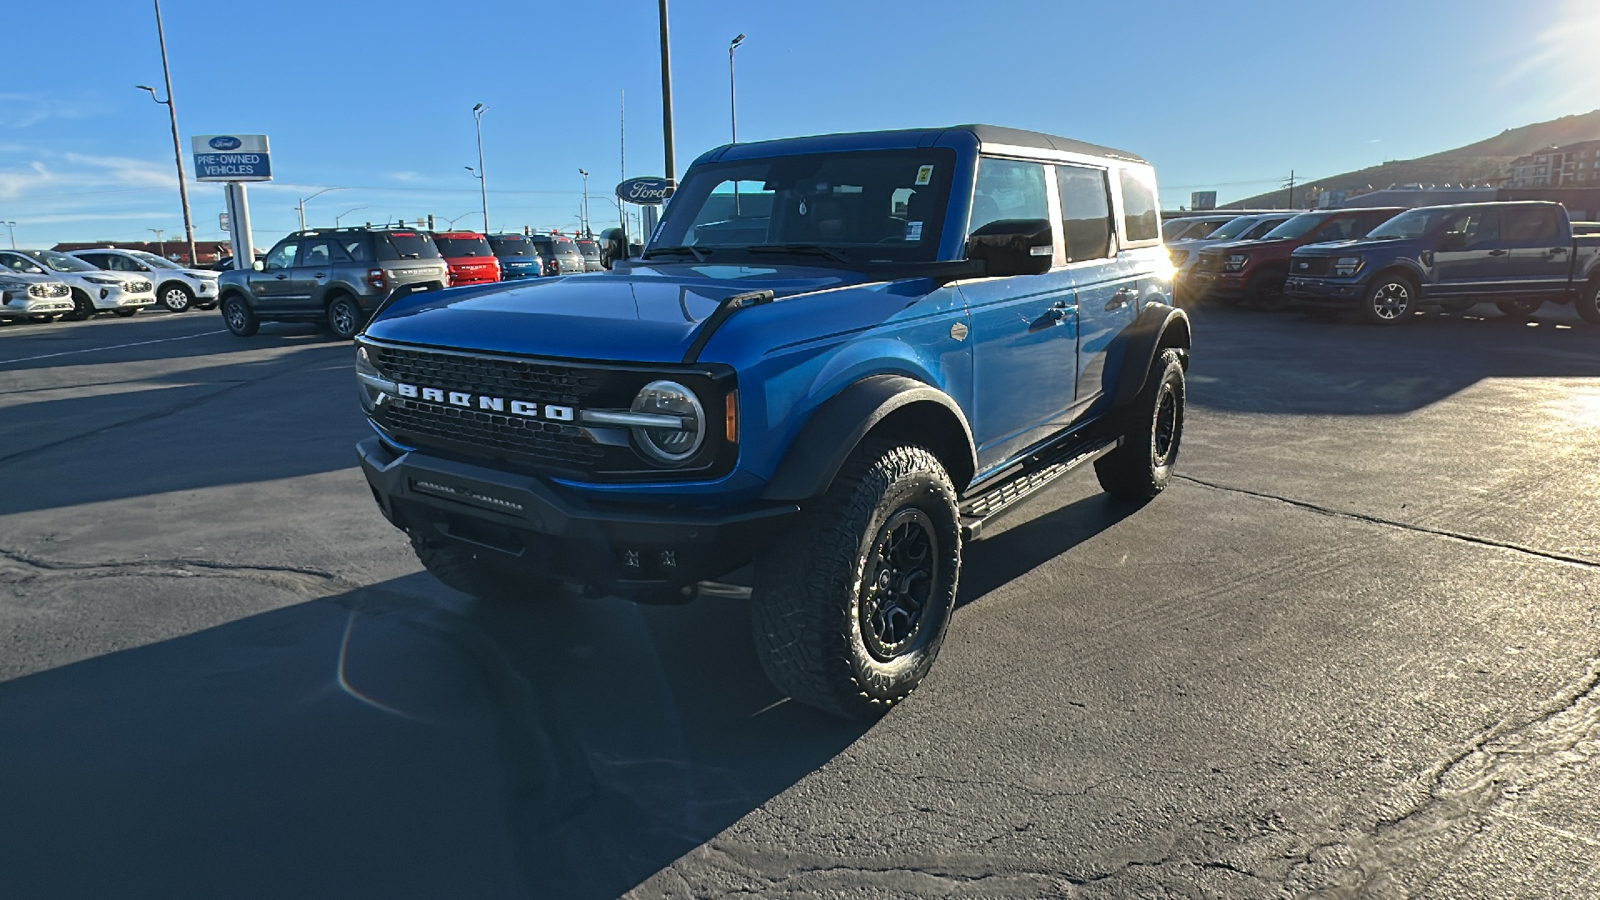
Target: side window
318, 253
1473, 229
1085, 212
1532, 226
281, 257
353, 250
121, 264
1008, 189
1140, 218
98, 260
15, 263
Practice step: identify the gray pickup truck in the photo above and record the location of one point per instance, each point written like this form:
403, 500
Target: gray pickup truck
1518, 255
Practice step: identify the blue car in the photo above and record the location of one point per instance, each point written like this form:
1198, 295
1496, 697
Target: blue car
839, 359
518, 256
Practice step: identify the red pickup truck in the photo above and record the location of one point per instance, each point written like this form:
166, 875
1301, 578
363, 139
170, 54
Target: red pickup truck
1256, 270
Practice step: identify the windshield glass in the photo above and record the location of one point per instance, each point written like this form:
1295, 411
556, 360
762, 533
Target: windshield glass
154, 260
565, 247
1232, 229
589, 249
511, 245
60, 261
456, 247
890, 204
1299, 226
405, 245
1261, 227
1410, 224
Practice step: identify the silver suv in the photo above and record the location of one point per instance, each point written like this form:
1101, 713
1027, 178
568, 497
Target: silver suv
334, 276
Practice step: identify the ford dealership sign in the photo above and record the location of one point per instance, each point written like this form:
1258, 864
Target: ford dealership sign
224, 142
648, 191
231, 157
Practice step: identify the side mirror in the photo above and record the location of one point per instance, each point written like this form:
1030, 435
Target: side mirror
1013, 247
259, 266
35, 270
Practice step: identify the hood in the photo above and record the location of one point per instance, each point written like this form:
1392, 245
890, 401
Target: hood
648, 315
1345, 248
1247, 246
200, 273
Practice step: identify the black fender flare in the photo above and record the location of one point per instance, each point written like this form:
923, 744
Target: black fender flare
1406, 267
839, 425
1158, 327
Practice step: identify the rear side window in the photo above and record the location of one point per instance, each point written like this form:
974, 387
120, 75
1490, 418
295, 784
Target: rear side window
544, 245
511, 245
1007, 190
1085, 212
1533, 225
565, 246
404, 245
353, 250
1141, 221
457, 247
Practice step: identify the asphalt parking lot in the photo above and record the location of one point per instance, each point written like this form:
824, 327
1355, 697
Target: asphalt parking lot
1352, 652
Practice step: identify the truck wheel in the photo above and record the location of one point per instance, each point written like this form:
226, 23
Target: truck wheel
82, 307
1266, 291
1519, 309
241, 320
344, 317
850, 609
125, 313
1390, 301
470, 573
176, 297
1589, 303
1458, 306
1152, 432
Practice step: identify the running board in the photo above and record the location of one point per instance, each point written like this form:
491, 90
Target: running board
1036, 473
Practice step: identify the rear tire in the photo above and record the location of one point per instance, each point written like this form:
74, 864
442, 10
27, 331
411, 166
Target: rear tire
1589, 303
1389, 301
344, 317
239, 317
849, 610
82, 307
1152, 433
1457, 306
177, 297
477, 574
1519, 309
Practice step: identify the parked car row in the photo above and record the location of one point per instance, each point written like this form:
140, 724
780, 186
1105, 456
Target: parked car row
1386, 263
43, 285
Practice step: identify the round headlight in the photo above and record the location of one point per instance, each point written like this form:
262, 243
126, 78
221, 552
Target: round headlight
671, 445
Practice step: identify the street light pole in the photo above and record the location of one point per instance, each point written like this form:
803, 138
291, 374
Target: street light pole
177, 147
733, 109
301, 207
666, 102
586, 231
483, 188
345, 213
160, 240
11, 227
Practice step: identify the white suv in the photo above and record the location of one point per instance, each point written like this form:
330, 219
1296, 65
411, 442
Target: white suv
32, 297
177, 288
92, 290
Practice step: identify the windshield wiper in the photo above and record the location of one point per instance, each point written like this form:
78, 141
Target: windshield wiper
699, 254
832, 253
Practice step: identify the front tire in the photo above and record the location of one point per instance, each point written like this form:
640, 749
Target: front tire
1389, 301
125, 313
1457, 306
1153, 430
1519, 309
850, 609
177, 297
344, 317
239, 317
1589, 303
82, 307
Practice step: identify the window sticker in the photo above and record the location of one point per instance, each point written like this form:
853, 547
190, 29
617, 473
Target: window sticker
924, 175
913, 231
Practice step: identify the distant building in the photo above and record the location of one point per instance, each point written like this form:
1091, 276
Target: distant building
1575, 165
1414, 195
177, 251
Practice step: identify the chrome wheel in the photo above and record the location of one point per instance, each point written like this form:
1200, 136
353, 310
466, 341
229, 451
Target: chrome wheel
175, 299
896, 583
1391, 301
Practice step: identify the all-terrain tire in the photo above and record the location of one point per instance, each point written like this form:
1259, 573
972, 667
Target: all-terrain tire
849, 610
239, 317
1589, 303
478, 574
1152, 433
1518, 309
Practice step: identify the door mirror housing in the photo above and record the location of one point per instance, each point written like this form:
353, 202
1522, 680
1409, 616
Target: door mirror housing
259, 266
1013, 247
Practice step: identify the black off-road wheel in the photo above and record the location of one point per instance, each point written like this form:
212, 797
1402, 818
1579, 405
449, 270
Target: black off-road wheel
176, 297
477, 573
1390, 301
239, 317
1589, 303
344, 317
1518, 309
82, 307
850, 609
1152, 431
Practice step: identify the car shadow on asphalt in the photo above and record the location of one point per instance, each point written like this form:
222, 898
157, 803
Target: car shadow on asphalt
141, 340
1008, 554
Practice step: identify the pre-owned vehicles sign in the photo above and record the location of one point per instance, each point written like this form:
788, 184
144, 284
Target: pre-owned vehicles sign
231, 157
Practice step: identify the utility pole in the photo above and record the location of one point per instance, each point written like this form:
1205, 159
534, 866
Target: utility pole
586, 230
161, 240
483, 188
11, 227
177, 147
1291, 190
666, 103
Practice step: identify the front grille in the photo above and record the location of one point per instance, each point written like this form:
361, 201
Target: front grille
496, 434
38, 290
59, 290
139, 287
1208, 262
1310, 265
522, 379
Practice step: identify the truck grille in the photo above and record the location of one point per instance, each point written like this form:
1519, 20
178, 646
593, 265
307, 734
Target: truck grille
1310, 265
1208, 262
491, 433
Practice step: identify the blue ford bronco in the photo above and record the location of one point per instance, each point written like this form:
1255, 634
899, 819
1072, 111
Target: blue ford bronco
838, 358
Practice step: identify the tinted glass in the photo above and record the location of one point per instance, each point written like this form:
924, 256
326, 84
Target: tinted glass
565, 247
1411, 224
1299, 226
317, 253
1531, 225
544, 245
1007, 190
455, 247
1341, 229
1140, 218
890, 203
1233, 228
353, 249
404, 245
589, 249
1085, 212
59, 261
1259, 228
154, 260
282, 256
1474, 228
511, 245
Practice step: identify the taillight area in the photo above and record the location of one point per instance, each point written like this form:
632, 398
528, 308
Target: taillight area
377, 279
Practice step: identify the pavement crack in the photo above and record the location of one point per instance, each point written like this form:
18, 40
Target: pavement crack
175, 567
1392, 523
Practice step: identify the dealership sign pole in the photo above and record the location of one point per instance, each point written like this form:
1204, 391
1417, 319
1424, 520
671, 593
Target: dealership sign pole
234, 159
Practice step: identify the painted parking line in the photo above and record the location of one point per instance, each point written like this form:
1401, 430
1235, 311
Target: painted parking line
113, 347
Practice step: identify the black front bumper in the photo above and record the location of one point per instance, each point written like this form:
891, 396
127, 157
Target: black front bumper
644, 553
1331, 291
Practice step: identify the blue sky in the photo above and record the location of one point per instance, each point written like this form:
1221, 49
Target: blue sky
375, 98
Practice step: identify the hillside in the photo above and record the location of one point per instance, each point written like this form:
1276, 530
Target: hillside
1482, 162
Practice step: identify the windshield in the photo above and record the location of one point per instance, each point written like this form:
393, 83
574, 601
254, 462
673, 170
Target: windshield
1410, 224
59, 261
1234, 228
405, 245
589, 249
1261, 227
1299, 226
888, 204
154, 260
512, 245
565, 247
457, 247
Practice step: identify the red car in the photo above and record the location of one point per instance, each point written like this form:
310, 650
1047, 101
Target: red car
471, 259
1256, 270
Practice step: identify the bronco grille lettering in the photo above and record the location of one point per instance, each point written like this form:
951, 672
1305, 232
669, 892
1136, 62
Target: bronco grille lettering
524, 408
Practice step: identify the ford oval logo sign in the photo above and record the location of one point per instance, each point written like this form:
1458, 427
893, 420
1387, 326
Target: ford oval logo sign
225, 142
646, 191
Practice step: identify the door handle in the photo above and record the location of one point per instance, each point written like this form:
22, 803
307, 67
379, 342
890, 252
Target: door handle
1497, 253
1126, 295
1557, 251
1060, 309
280, 277
320, 275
